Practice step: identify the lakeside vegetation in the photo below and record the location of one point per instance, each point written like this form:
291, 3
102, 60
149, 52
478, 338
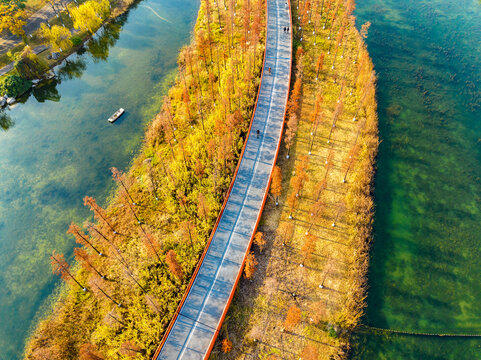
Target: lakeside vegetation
74, 24
177, 184
311, 252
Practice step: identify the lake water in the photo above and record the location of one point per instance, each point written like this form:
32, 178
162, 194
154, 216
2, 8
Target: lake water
425, 272
58, 147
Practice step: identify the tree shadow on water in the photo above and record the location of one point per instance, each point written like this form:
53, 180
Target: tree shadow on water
6, 121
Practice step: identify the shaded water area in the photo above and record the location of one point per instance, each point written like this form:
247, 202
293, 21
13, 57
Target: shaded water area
425, 271
57, 147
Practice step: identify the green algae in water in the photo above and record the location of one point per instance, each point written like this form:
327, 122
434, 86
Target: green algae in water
425, 270
58, 146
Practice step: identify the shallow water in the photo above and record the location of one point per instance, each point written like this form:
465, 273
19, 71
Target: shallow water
58, 146
425, 272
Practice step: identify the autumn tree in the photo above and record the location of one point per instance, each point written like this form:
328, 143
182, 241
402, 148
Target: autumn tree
292, 124
57, 36
62, 268
187, 228
202, 207
293, 104
260, 240
29, 65
99, 213
335, 117
11, 19
293, 318
226, 346
367, 87
284, 232
319, 65
83, 257
90, 15
98, 288
317, 311
250, 265
309, 246
130, 349
151, 244
327, 270
316, 117
89, 352
349, 160
276, 183
82, 238
122, 180
309, 352
364, 30
341, 207
316, 212
292, 202
174, 266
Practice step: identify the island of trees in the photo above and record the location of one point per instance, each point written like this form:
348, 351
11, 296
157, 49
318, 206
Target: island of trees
305, 277
134, 261
305, 284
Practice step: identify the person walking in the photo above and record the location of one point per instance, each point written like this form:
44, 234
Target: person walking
269, 69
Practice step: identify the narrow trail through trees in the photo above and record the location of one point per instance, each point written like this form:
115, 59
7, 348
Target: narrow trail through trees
197, 321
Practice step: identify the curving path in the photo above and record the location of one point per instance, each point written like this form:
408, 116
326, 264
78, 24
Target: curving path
192, 332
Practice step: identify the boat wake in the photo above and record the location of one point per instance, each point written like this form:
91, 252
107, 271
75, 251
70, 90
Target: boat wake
156, 14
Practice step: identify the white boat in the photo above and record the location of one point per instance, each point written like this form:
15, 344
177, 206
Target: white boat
116, 115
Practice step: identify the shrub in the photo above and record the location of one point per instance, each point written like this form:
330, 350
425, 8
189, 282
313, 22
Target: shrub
14, 85
76, 40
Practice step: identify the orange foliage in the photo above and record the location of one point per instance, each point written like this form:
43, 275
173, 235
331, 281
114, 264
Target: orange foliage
276, 183
310, 352
260, 240
174, 266
250, 266
226, 345
293, 317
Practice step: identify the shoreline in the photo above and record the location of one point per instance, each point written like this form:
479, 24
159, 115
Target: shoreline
63, 56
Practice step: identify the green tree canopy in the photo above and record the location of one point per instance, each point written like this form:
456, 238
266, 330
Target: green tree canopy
29, 65
13, 85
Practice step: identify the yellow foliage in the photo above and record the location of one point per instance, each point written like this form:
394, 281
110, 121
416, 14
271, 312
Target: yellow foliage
11, 19
57, 36
90, 15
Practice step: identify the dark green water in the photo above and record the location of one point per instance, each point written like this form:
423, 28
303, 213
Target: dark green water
425, 272
58, 146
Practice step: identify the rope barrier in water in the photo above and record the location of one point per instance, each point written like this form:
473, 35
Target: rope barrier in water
413, 333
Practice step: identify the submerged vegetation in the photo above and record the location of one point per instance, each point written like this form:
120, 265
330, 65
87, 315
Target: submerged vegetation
134, 262
308, 291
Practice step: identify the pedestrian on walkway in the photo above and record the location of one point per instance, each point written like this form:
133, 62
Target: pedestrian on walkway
288, 29
257, 134
285, 29
269, 69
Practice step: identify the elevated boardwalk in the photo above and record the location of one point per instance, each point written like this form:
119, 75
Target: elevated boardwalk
196, 324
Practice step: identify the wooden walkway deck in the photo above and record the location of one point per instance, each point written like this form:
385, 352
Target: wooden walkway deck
196, 324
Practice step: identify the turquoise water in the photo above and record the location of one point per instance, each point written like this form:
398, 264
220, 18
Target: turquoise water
58, 147
425, 271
